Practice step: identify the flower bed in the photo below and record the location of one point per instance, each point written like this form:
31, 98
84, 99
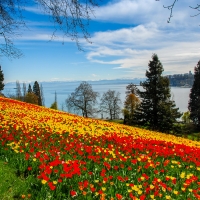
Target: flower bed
70, 157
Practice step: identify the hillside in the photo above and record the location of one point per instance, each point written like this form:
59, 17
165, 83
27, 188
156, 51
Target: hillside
181, 80
67, 156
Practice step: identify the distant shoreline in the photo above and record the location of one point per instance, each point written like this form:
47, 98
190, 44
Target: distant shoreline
182, 86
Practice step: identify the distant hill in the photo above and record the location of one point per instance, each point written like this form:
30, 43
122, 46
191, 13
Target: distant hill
181, 80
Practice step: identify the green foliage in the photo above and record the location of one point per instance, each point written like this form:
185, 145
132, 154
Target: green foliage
125, 112
157, 110
194, 102
54, 106
186, 117
181, 80
36, 91
183, 129
29, 89
1, 80
117, 121
131, 103
31, 98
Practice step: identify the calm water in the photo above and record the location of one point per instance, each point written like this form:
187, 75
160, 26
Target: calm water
63, 89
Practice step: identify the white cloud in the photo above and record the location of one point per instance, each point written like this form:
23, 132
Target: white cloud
125, 11
140, 33
144, 11
132, 48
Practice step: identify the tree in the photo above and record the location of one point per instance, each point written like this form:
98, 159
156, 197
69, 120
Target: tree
18, 91
11, 20
70, 17
186, 117
36, 91
131, 103
1, 80
116, 106
83, 100
42, 95
24, 91
31, 98
110, 102
125, 113
131, 89
29, 89
54, 105
156, 110
62, 106
194, 101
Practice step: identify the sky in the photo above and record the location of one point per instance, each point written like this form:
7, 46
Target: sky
124, 35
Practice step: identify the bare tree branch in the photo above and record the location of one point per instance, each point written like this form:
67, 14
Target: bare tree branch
196, 8
11, 20
170, 7
83, 100
70, 16
110, 104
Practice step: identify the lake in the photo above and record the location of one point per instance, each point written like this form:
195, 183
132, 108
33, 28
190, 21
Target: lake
63, 89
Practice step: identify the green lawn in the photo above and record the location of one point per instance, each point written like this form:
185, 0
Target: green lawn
12, 187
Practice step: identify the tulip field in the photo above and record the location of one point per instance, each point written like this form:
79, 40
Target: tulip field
64, 156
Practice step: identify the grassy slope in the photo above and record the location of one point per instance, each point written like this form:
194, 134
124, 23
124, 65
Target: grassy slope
11, 186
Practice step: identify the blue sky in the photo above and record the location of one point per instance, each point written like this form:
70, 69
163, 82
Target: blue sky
124, 35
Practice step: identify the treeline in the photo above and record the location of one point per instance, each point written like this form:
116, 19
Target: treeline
32, 95
181, 80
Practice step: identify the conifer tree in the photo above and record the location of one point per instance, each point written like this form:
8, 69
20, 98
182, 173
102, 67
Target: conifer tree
1, 80
29, 89
36, 91
194, 101
156, 110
